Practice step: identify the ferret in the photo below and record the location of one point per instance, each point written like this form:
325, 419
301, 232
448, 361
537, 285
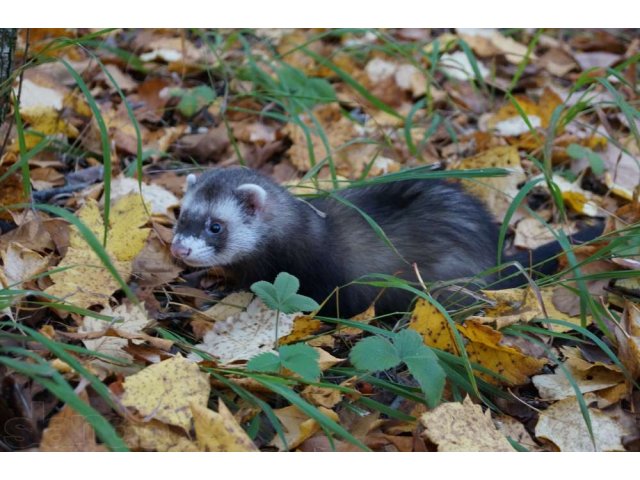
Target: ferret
242, 221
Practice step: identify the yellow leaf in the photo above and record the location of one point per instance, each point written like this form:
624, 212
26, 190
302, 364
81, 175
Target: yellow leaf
497, 193
84, 281
303, 327
155, 436
219, 432
165, 391
125, 238
485, 349
298, 426
427, 320
463, 427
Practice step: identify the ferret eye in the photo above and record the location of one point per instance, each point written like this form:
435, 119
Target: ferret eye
215, 228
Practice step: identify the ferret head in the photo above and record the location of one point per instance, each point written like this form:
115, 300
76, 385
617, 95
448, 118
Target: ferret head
222, 219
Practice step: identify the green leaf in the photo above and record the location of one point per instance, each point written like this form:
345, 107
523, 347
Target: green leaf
578, 152
408, 343
193, 100
265, 362
422, 364
301, 359
282, 296
427, 371
374, 354
300, 303
267, 293
286, 285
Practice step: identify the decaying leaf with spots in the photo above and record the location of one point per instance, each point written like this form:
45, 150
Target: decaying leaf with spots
81, 278
486, 348
246, 334
166, 391
483, 345
429, 322
463, 427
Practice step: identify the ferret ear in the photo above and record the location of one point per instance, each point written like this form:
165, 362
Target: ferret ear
253, 196
191, 180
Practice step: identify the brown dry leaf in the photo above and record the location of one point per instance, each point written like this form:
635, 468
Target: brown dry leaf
510, 427
463, 427
556, 386
245, 335
121, 129
497, 193
531, 233
69, 431
629, 340
32, 234
486, 348
322, 396
219, 431
154, 265
205, 146
12, 192
298, 426
326, 360
557, 62
122, 80
523, 305
427, 320
166, 391
87, 282
338, 130
231, 305
19, 265
155, 436
563, 424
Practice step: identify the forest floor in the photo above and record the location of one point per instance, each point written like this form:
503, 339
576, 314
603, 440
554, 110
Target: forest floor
108, 343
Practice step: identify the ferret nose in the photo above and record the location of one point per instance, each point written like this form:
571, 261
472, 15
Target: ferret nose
178, 250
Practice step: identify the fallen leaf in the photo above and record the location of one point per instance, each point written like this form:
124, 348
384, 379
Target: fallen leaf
155, 436
497, 193
463, 427
87, 282
160, 200
245, 335
563, 424
127, 318
69, 431
298, 427
429, 322
219, 431
486, 348
167, 390
457, 65
19, 265
629, 339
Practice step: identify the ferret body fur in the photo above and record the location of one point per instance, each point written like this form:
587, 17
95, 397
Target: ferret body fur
242, 221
